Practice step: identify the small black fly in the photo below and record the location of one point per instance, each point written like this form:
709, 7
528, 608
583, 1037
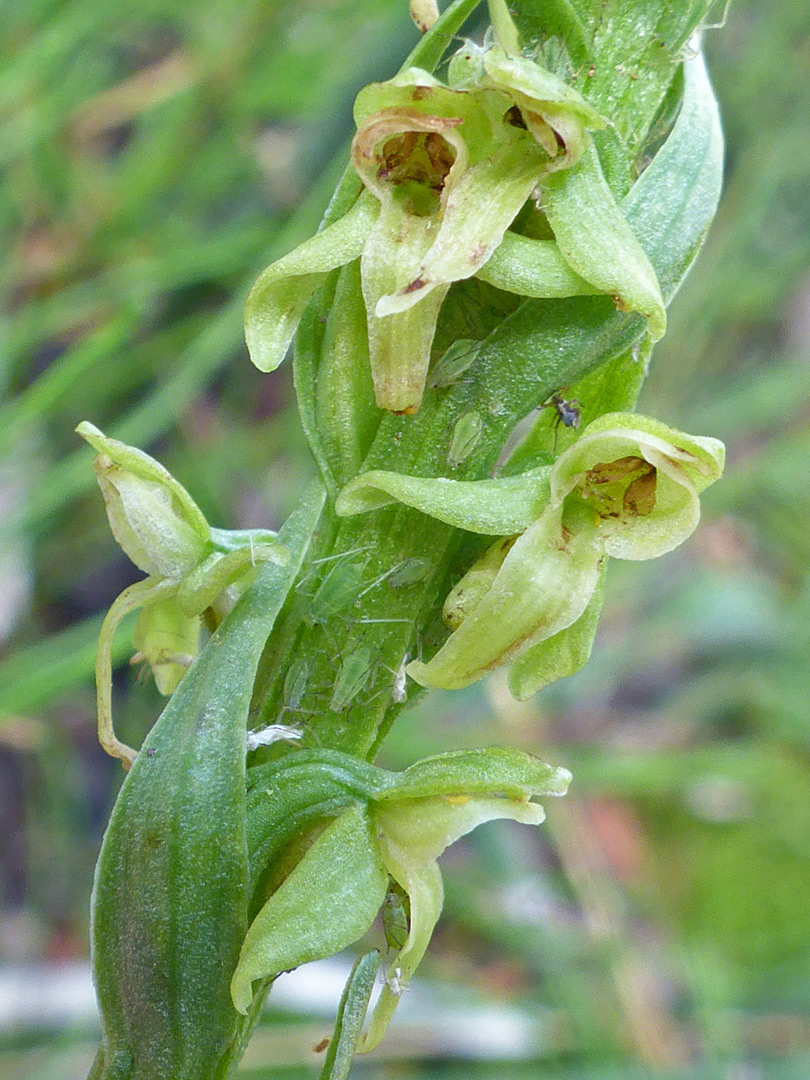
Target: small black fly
568, 413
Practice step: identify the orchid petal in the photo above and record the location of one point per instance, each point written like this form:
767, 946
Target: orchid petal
501, 507
277, 300
598, 242
413, 833
563, 654
169, 640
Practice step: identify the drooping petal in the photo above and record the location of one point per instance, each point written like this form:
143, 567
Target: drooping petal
501, 507
169, 640
276, 302
563, 654
413, 834
423, 884
598, 242
399, 345
544, 585
328, 901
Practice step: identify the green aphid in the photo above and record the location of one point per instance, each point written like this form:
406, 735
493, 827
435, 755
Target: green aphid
466, 436
352, 676
396, 916
295, 684
449, 368
338, 590
409, 572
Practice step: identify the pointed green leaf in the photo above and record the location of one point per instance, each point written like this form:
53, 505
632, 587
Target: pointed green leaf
328, 901
672, 204
169, 903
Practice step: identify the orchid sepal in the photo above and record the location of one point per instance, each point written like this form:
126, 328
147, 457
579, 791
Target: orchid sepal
543, 585
498, 507
279, 296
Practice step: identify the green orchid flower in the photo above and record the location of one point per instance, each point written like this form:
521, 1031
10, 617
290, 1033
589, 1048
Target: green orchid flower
193, 571
384, 827
628, 487
446, 171
594, 242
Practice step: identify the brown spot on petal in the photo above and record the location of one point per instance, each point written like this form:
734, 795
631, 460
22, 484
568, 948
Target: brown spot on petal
417, 284
319, 1047
419, 93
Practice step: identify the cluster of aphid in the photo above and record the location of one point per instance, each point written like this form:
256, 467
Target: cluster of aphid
338, 596
454, 367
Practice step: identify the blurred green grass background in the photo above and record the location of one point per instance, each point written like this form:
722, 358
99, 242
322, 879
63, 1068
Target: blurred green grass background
154, 158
